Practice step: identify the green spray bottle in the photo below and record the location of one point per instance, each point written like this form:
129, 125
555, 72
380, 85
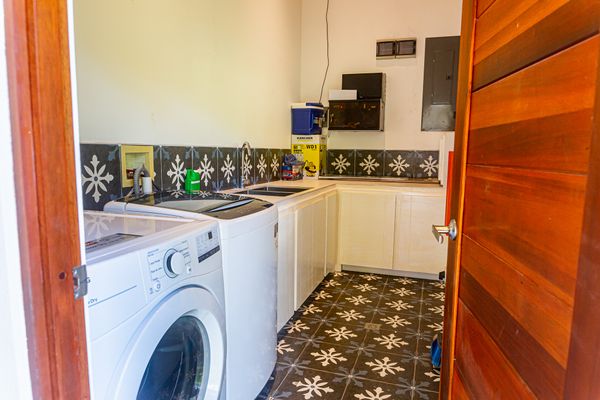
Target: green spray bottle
192, 181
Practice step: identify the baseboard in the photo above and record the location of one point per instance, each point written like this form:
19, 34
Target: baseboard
391, 272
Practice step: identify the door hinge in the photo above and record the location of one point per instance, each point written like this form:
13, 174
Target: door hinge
80, 281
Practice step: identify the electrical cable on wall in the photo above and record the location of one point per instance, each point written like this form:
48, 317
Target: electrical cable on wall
327, 42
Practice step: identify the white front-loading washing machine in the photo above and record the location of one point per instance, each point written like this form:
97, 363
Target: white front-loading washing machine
155, 317
248, 229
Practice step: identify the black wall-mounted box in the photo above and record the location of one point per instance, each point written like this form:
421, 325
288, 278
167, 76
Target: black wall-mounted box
368, 86
356, 115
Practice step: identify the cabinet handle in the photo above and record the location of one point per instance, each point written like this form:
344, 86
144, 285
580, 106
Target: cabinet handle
440, 230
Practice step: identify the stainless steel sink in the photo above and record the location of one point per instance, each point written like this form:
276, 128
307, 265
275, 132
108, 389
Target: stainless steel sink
280, 191
283, 189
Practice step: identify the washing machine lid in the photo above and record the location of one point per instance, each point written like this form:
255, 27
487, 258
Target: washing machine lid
104, 230
212, 204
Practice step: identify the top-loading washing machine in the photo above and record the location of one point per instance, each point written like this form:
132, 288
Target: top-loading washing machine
155, 316
248, 229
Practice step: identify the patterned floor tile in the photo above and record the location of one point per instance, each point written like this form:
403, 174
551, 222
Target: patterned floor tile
314, 310
363, 389
330, 357
290, 348
301, 327
360, 336
348, 315
274, 381
340, 334
396, 321
312, 384
384, 367
391, 342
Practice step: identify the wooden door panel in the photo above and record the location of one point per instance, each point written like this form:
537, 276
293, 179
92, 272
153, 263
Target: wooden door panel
483, 5
541, 313
553, 86
459, 392
505, 20
485, 370
558, 142
541, 30
544, 375
531, 219
527, 125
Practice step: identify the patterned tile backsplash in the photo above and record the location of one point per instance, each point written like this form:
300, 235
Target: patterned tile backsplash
378, 163
223, 168
219, 169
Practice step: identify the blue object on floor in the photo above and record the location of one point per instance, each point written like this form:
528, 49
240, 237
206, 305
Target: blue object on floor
436, 353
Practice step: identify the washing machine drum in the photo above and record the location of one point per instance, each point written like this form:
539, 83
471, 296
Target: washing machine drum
179, 353
176, 368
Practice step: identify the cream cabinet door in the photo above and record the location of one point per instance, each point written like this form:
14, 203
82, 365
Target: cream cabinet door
416, 250
310, 247
366, 230
286, 267
332, 232
319, 241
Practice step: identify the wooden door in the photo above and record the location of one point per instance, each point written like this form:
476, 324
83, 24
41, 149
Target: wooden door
522, 271
37, 52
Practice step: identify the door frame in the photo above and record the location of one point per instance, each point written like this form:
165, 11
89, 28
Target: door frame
583, 367
463, 112
39, 85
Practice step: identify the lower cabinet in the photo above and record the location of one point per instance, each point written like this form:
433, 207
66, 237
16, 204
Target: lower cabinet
286, 264
385, 229
366, 228
302, 252
311, 230
380, 229
416, 250
331, 261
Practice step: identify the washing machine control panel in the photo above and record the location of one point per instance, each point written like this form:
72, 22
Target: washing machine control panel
207, 244
180, 259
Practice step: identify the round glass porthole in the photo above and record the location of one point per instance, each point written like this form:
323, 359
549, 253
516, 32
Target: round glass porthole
179, 366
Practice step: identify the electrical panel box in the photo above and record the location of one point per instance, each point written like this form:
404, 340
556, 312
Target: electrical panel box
440, 83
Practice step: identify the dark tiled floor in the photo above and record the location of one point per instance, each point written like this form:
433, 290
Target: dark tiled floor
360, 336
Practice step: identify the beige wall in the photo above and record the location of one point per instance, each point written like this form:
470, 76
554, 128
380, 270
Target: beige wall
190, 72
355, 26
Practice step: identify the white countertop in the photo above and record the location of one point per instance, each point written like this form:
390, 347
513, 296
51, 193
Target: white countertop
319, 186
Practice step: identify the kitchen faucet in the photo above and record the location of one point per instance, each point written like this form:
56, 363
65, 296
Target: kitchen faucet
245, 175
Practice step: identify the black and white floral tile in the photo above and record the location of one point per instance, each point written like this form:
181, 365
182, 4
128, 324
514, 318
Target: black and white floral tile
341, 162
174, 162
100, 174
220, 168
360, 336
379, 163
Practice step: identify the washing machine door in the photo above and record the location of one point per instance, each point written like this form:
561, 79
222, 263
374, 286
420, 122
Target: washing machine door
178, 352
